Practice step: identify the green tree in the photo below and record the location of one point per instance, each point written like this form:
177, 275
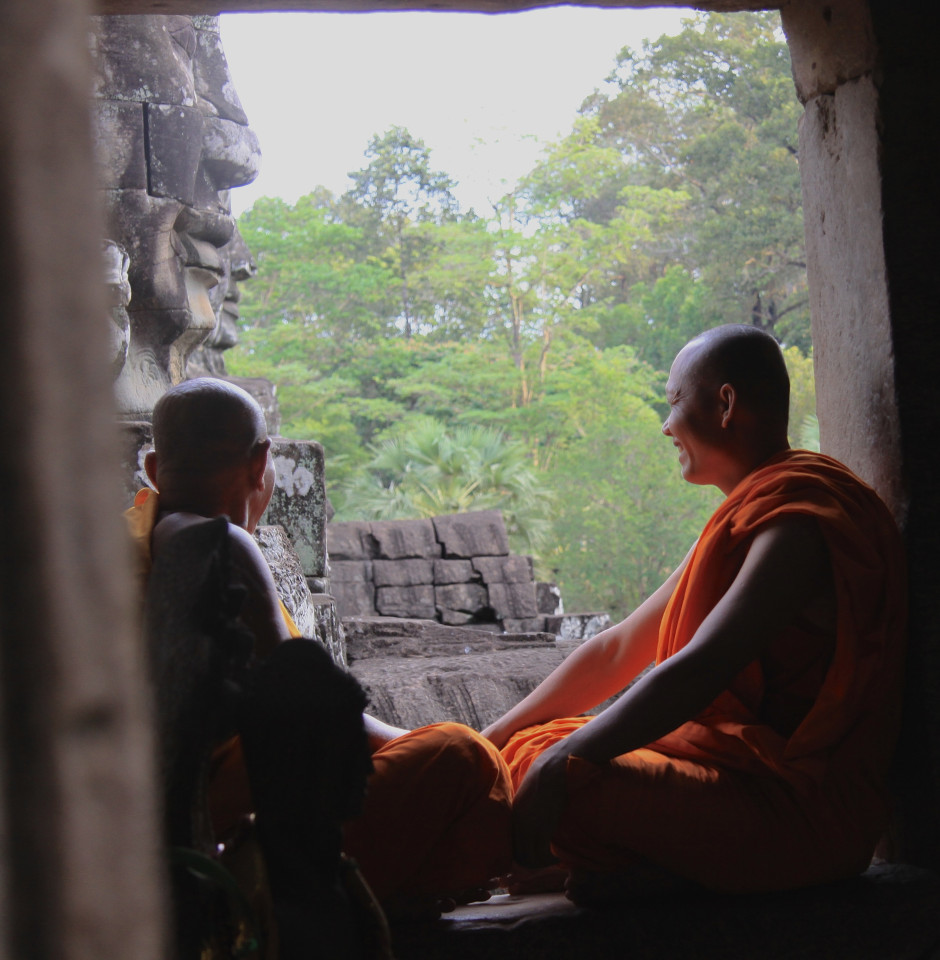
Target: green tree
625, 516
710, 116
314, 273
400, 200
429, 470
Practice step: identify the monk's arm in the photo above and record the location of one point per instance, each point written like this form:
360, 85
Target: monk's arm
784, 568
599, 668
261, 609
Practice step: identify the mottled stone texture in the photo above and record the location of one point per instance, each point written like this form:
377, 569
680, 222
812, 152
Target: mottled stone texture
868, 152
353, 596
402, 573
398, 539
299, 500
349, 541
314, 617
428, 568
577, 626
171, 139
548, 598
855, 392
474, 534
415, 601
416, 672
829, 44
512, 569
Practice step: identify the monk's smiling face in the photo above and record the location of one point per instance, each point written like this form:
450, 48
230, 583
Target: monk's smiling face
695, 418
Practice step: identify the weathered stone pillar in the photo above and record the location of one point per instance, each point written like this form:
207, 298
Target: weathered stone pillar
868, 158
79, 856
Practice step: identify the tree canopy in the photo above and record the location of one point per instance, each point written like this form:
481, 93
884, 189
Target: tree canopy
448, 360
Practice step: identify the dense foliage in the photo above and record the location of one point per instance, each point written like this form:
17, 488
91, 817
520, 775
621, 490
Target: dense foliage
454, 360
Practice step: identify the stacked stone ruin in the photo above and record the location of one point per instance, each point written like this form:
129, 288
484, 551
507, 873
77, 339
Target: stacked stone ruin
456, 569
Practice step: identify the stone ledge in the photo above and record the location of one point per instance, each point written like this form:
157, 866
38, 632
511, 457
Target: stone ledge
891, 911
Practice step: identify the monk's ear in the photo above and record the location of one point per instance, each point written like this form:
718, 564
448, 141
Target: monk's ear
728, 403
150, 466
259, 463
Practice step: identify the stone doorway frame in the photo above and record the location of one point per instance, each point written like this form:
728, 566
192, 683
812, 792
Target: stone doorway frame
78, 866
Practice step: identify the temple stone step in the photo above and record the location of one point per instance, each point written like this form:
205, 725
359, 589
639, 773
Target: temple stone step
417, 672
891, 911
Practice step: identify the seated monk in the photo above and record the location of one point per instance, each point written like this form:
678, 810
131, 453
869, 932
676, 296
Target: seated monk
435, 820
753, 756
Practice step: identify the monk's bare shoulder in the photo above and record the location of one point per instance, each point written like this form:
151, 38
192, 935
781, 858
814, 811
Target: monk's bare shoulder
797, 553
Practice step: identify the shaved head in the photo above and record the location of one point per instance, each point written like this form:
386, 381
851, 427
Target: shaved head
204, 427
752, 362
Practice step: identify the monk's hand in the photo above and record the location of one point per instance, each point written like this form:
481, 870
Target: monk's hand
537, 808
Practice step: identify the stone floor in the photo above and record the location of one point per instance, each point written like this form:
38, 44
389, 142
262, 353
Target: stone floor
892, 912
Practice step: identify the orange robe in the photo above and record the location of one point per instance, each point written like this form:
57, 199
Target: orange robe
780, 782
436, 815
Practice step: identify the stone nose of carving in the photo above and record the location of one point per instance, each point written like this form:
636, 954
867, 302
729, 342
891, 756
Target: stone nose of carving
231, 154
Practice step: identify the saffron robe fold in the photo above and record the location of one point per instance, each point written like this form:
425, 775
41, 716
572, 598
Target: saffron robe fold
436, 818
780, 782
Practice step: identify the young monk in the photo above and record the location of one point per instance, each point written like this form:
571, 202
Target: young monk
435, 822
754, 755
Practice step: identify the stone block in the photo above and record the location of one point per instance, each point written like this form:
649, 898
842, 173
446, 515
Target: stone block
467, 597
511, 569
548, 598
453, 571
315, 618
137, 58
577, 626
350, 571
298, 503
454, 618
354, 599
329, 628
513, 601
402, 573
120, 146
530, 625
397, 539
174, 139
829, 44
211, 72
349, 541
135, 440
480, 533
415, 601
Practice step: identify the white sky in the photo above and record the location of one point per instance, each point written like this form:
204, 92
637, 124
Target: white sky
483, 92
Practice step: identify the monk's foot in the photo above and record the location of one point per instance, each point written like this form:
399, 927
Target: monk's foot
524, 881
588, 889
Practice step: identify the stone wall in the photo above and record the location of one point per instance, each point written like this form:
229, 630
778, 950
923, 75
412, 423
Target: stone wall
455, 569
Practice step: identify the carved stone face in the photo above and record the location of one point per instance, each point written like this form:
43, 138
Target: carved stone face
237, 265
172, 139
